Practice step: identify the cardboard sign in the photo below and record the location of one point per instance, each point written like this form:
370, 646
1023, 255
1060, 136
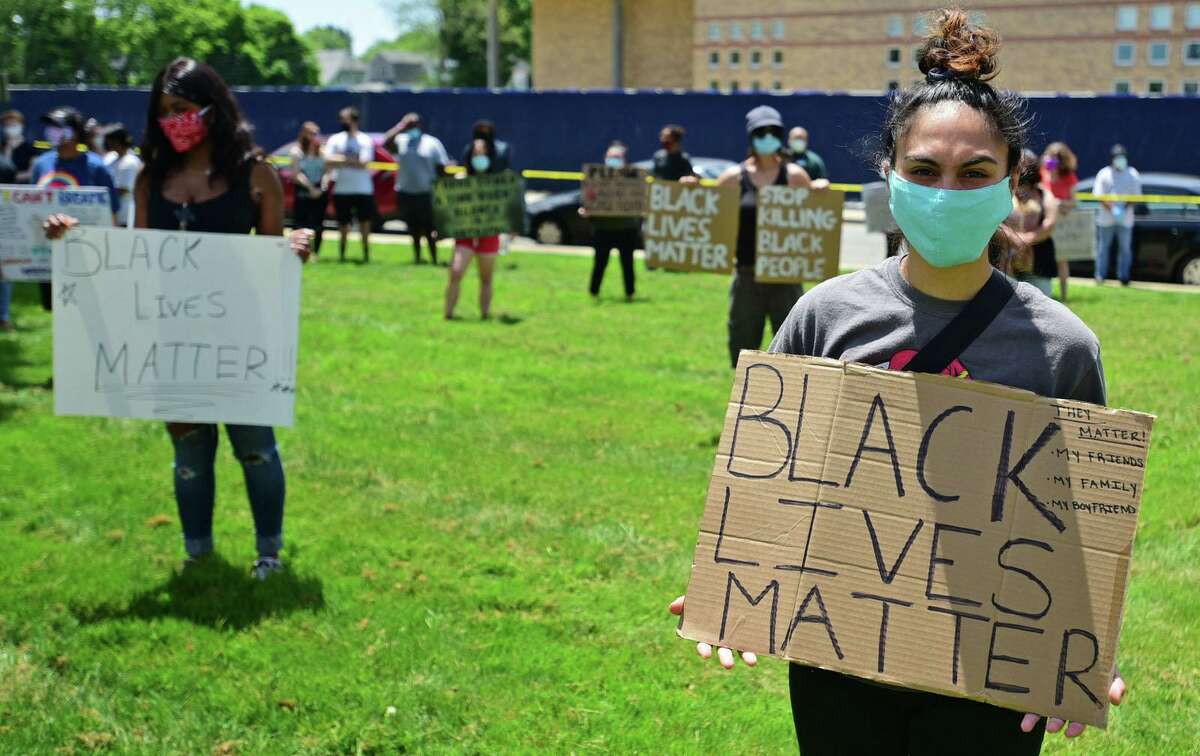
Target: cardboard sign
920, 530
799, 235
177, 326
482, 205
1075, 235
609, 192
24, 248
691, 227
876, 209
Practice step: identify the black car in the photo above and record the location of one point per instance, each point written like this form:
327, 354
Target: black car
1166, 236
555, 219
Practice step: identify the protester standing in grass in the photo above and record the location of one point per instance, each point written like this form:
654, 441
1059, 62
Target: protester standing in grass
480, 158
308, 182
1115, 220
803, 156
614, 232
1034, 218
349, 152
420, 160
204, 173
750, 302
1058, 175
951, 150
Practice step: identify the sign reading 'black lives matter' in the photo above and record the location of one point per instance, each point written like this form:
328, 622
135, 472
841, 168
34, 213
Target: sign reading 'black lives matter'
920, 530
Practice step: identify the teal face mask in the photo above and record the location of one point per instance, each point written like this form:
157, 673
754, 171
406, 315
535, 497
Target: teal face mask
948, 227
481, 163
768, 144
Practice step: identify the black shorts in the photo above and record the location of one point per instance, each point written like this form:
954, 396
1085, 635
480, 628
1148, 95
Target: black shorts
416, 210
361, 206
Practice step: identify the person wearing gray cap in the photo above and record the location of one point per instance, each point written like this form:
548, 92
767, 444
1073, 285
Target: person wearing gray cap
750, 302
1116, 218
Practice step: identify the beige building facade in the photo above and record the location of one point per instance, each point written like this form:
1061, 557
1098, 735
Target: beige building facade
1075, 46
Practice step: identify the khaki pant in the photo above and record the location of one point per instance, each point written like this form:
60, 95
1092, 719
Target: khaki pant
750, 304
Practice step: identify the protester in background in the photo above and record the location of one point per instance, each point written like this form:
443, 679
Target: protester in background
480, 158
124, 166
94, 137
204, 173
16, 148
348, 152
1058, 174
8, 175
421, 159
65, 166
950, 147
671, 163
614, 232
309, 198
802, 156
750, 302
1116, 217
500, 151
1035, 212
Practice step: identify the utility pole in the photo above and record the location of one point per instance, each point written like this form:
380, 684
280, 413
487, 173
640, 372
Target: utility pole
493, 47
618, 43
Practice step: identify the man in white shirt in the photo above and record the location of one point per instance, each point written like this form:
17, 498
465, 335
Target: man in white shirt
125, 167
349, 151
1115, 219
421, 160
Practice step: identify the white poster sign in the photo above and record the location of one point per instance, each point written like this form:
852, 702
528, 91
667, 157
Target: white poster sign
24, 249
176, 326
1075, 235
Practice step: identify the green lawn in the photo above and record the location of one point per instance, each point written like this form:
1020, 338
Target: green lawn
486, 521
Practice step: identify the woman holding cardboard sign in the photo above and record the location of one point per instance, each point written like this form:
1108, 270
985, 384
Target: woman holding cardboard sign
750, 302
204, 173
951, 149
483, 155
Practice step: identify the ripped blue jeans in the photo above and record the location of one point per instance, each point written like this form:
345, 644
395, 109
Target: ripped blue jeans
195, 483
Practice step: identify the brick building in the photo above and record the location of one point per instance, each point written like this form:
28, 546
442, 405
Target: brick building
1084, 46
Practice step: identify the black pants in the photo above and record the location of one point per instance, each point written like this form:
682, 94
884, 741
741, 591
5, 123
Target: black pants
750, 304
839, 714
606, 241
310, 213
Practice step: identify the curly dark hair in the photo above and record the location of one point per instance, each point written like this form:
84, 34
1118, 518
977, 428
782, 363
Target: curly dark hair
233, 150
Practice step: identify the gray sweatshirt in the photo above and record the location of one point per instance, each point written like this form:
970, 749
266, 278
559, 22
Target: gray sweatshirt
875, 317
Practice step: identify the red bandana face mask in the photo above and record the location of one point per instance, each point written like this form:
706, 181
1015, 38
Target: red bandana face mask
185, 130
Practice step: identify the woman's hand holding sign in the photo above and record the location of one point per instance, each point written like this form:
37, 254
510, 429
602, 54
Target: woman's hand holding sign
1116, 693
724, 655
56, 225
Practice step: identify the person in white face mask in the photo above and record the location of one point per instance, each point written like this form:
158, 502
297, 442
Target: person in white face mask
804, 157
15, 146
1115, 220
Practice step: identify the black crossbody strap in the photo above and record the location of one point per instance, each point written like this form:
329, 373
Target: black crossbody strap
974, 318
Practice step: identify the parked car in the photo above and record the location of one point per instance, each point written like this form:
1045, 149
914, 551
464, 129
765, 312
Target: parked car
556, 220
1166, 236
384, 181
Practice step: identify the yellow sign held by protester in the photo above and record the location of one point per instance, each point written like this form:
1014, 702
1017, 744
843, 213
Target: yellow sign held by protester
691, 227
799, 235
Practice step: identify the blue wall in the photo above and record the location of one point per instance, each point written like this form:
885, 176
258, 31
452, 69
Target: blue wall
561, 130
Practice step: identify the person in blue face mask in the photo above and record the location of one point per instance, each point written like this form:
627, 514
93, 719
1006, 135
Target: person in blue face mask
421, 159
481, 156
950, 149
614, 232
767, 162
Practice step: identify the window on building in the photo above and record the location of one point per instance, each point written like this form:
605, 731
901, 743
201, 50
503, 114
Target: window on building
1191, 52
714, 59
735, 30
1124, 53
1156, 87
1127, 19
733, 86
916, 57
735, 58
777, 85
1158, 53
714, 32
1191, 88
756, 59
777, 29
893, 85
895, 26
714, 85
893, 57
777, 59
1160, 17
755, 86
1192, 16
1121, 87
920, 25
756, 30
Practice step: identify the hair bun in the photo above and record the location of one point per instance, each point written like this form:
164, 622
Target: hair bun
958, 49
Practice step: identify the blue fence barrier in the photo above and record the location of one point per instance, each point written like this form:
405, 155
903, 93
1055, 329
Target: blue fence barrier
560, 130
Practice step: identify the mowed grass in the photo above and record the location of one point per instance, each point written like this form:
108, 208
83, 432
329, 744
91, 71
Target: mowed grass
485, 522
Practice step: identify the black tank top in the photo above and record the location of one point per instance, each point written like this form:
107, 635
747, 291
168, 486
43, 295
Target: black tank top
231, 212
747, 242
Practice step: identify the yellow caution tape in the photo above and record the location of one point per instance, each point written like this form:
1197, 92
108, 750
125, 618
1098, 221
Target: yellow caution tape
533, 173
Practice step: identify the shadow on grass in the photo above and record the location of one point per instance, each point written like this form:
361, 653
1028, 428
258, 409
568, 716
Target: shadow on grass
215, 594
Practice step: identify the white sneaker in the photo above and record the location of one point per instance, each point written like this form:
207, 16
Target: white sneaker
264, 566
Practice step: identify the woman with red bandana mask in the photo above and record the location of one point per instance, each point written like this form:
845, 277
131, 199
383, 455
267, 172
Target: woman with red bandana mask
204, 173
1058, 173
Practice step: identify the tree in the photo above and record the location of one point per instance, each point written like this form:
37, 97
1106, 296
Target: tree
461, 28
328, 37
279, 55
